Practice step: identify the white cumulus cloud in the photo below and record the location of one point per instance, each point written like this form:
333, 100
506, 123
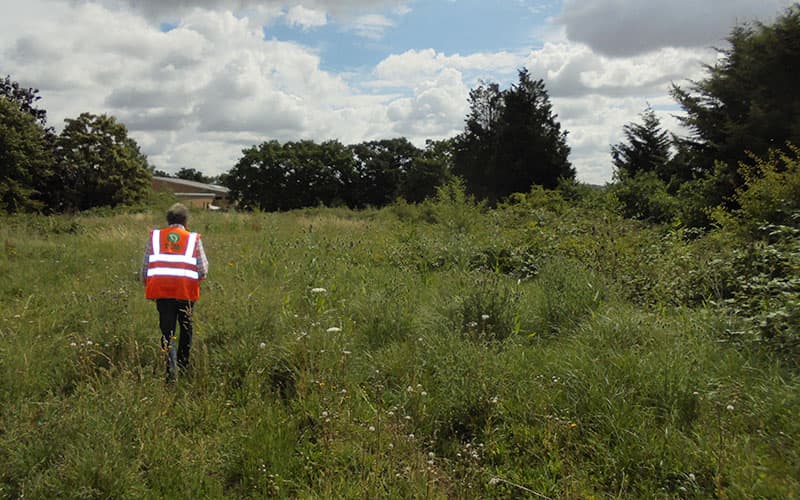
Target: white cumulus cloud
306, 18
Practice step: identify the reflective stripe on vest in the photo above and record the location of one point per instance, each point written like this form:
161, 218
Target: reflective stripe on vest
181, 273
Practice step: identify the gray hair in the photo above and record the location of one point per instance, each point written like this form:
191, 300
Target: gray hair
177, 214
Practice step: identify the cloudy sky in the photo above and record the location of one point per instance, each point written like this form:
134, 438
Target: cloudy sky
197, 81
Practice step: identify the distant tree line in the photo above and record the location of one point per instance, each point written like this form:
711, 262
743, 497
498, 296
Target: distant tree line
745, 108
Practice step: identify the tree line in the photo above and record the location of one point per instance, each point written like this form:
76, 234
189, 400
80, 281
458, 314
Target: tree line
746, 107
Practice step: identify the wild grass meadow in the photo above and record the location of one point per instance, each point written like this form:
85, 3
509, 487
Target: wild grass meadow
542, 349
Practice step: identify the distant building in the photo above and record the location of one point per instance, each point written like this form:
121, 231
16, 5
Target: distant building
194, 194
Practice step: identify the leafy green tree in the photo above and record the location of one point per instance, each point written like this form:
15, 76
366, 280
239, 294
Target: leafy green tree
511, 141
427, 171
274, 176
380, 168
99, 165
192, 174
748, 103
26, 99
25, 158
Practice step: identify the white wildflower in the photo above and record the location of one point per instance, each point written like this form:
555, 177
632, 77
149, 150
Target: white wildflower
89, 342
372, 428
318, 290
485, 317
423, 393
494, 481
262, 345
729, 407
333, 329
73, 344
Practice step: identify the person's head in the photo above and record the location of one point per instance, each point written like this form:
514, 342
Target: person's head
177, 214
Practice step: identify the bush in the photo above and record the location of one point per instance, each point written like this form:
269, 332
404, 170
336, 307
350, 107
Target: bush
771, 190
645, 197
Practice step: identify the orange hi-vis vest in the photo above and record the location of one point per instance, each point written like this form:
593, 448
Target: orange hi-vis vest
172, 267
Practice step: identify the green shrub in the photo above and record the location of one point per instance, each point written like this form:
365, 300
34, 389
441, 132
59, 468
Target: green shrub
645, 197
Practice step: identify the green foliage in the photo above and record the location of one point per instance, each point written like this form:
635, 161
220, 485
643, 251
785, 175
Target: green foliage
511, 141
275, 176
98, 165
761, 273
646, 149
645, 196
771, 190
25, 159
765, 290
738, 109
191, 174
427, 171
380, 168
25, 99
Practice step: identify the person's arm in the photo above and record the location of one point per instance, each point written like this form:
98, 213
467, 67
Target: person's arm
148, 249
202, 260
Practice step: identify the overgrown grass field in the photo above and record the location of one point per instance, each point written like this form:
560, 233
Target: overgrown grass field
537, 350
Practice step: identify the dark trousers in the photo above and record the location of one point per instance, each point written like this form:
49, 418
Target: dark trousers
170, 312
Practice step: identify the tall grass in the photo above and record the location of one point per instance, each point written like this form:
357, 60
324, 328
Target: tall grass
443, 350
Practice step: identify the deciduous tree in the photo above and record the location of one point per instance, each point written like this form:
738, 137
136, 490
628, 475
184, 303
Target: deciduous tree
99, 165
25, 158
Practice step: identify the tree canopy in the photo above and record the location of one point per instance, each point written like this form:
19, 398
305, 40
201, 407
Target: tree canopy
25, 158
25, 99
192, 174
511, 141
749, 102
99, 165
646, 148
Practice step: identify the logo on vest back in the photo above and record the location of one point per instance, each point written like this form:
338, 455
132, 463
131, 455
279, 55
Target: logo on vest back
172, 242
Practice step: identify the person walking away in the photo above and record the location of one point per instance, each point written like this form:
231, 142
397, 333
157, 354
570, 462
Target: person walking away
174, 264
